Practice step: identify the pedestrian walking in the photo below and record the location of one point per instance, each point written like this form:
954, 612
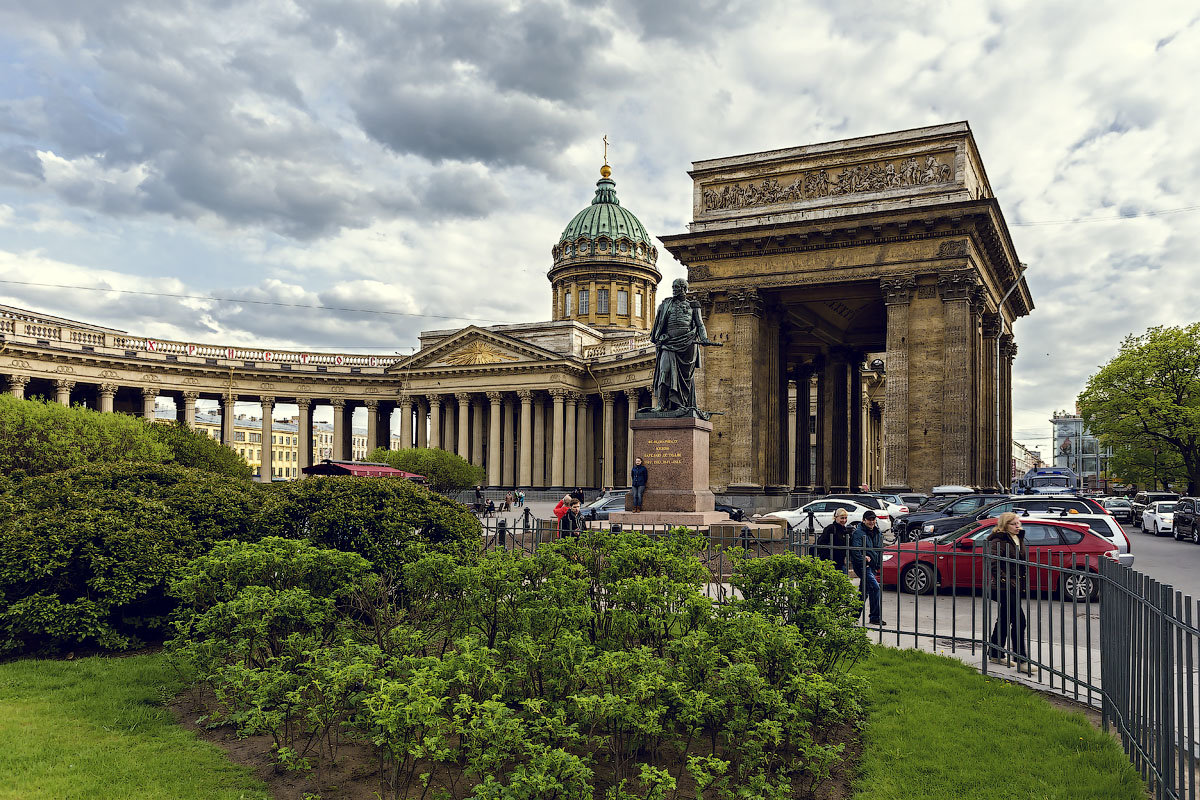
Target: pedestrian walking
1007, 574
637, 479
834, 539
866, 557
569, 520
479, 498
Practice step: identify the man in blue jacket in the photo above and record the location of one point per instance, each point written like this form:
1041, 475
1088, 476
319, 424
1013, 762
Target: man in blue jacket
637, 479
866, 556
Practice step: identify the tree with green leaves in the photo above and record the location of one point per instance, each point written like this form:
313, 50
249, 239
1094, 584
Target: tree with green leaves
445, 471
195, 450
1148, 396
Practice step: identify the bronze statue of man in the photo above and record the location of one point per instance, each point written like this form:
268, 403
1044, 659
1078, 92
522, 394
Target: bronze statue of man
678, 334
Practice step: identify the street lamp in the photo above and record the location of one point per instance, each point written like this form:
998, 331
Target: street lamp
1155, 468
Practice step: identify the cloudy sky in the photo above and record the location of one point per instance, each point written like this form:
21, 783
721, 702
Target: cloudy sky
420, 158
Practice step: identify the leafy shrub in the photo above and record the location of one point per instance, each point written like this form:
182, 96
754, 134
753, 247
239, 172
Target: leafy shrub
38, 437
593, 667
85, 554
445, 471
191, 449
382, 520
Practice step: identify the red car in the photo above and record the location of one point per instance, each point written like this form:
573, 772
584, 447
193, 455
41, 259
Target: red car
956, 559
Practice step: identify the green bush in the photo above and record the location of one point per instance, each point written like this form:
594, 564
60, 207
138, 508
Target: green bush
594, 667
378, 518
191, 449
85, 554
445, 471
38, 437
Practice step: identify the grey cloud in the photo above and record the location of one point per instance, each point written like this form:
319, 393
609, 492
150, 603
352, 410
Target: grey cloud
20, 166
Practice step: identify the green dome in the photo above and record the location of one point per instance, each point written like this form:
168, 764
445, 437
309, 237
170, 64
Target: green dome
605, 217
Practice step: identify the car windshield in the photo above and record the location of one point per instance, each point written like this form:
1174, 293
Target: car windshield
949, 538
1055, 481
1166, 508
1116, 503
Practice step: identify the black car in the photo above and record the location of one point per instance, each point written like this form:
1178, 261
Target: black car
1142, 500
1186, 523
735, 513
907, 527
1026, 504
1120, 508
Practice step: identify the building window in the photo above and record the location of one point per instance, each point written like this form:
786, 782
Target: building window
637, 304
583, 301
567, 305
239, 436
602, 301
622, 302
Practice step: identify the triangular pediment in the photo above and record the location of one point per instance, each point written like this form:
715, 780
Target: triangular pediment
475, 347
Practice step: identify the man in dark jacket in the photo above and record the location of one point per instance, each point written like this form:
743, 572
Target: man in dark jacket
866, 557
831, 544
637, 479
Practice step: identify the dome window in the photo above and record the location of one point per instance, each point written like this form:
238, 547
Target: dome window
624, 247
567, 250
602, 301
622, 302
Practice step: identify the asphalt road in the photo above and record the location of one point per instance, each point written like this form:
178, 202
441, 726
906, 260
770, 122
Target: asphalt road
1166, 560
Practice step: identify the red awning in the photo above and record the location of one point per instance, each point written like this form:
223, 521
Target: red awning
360, 469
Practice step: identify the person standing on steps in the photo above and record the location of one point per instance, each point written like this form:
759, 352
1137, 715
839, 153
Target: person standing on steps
866, 557
637, 480
1006, 578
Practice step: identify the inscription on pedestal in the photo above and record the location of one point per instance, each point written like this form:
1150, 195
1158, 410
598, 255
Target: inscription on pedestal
663, 451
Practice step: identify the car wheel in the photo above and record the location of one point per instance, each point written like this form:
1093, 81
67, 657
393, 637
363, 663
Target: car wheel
1080, 587
918, 579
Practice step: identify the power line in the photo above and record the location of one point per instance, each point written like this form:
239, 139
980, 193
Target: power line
1161, 213
253, 302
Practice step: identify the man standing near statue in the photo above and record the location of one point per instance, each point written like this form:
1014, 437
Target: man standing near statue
678, 334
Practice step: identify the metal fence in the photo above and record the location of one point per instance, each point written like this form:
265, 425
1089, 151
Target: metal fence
1087, 628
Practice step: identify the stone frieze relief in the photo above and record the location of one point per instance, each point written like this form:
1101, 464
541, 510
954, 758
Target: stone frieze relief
816, 184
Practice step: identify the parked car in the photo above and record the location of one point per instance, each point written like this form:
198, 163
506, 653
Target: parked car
896, 504
1186, 522
735, 513
1103, 525
599, 509
956, 559
1119, 507
822, 514
914, 501
883, 508
1022, 504
1157, 517
1142, 500
908, 526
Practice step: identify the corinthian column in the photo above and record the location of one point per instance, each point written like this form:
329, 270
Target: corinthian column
609, 398
106, 392
793, 406
570, 455
406, 421
339, 429
582, 443
956, 290
539, 442
372, 405
464, 424
525, 470
16, 385
897, 295
631, 396
189, 408
267, 471
304, 432
493, 455
556, 429
477, 410
990, 404
149, 397
62, 390
435, 420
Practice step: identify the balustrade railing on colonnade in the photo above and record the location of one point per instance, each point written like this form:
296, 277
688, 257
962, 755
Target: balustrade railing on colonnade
1096, 632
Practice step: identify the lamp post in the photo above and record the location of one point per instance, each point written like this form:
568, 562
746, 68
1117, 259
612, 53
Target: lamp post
1155, 469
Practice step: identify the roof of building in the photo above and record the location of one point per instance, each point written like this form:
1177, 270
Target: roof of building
605, 217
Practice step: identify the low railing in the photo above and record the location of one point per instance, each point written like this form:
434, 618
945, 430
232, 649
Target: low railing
1094, 631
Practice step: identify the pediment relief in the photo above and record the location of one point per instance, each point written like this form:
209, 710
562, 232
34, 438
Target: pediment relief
477, 352
474, 347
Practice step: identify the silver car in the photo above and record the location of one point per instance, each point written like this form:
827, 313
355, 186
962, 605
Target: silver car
1102, 525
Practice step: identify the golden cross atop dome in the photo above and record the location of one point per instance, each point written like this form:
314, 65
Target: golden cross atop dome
606, 170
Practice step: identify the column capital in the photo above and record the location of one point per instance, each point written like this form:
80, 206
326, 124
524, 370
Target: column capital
526, 395
634, 394
371, 403
746, 301
108, 389
434, 399
303, 402
18, 380
266, 400
793, 404
193, 396
957, 285
462, 397
898, 289
609, 397
559, 395
147, 391
579, 398
495, 397
1008, 348
991, 325
63, 383
338, 402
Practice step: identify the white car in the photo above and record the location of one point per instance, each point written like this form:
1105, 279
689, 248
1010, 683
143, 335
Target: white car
1157, 517
822, 515
1102, 525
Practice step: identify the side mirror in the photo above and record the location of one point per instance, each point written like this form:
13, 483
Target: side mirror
964, 544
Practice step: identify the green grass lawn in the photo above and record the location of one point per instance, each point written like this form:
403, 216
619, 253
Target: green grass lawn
939, 729
91, 728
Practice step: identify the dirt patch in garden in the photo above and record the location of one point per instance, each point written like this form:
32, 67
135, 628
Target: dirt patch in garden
355, 774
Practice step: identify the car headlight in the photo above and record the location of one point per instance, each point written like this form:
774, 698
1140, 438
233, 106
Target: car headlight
928, 528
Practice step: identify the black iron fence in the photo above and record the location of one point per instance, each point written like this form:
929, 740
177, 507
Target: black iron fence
1079, 625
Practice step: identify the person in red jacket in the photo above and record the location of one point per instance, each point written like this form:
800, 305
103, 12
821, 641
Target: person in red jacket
569, 521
